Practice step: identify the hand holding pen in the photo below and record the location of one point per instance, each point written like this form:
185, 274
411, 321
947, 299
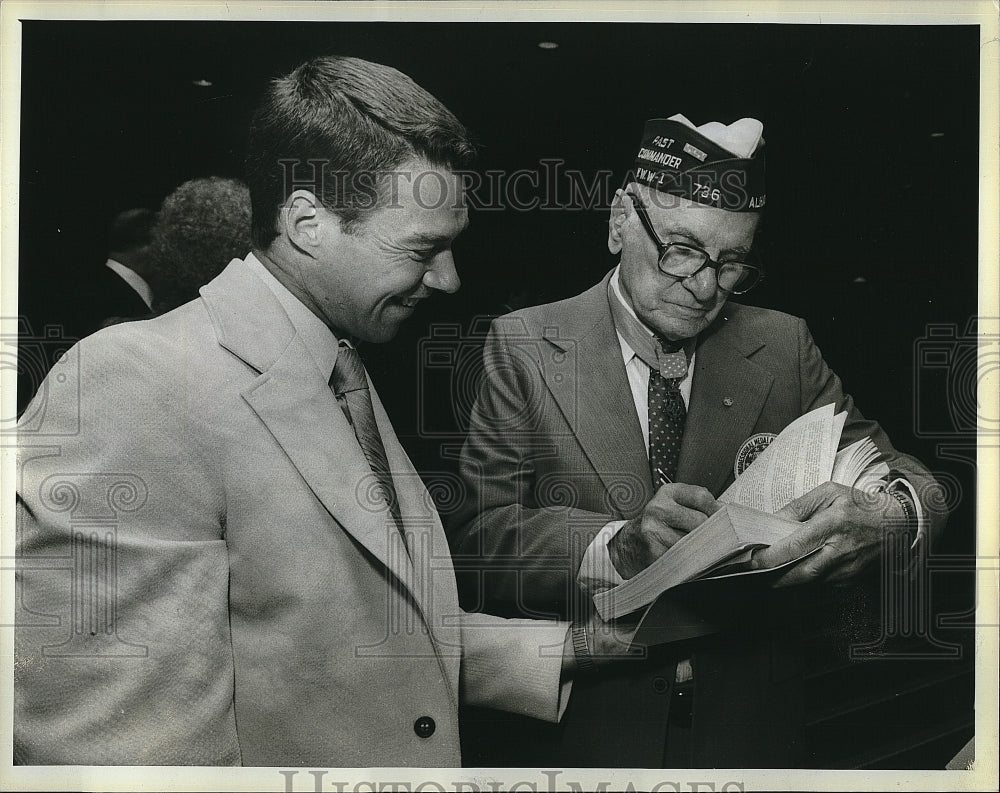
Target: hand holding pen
673, 511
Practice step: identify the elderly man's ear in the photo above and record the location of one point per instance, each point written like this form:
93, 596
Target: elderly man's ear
620, 207
301, 223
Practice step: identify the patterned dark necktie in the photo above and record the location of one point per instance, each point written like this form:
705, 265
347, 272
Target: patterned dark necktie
350, 385
666, 410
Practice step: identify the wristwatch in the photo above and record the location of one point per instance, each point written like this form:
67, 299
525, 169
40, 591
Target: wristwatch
902, 495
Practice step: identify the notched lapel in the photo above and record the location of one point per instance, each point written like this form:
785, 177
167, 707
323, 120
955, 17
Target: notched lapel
727, 396
593, 395
300, 411
297, 406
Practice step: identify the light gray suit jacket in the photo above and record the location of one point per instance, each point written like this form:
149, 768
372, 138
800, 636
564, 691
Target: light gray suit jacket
204, 576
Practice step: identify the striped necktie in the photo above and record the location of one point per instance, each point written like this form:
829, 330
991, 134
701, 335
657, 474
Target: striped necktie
350, 386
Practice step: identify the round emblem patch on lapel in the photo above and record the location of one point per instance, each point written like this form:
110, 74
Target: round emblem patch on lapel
751, 450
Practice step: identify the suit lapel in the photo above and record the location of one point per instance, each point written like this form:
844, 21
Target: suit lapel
728, 392
302, 414
727, 395
595, 398
298, 408
339, 475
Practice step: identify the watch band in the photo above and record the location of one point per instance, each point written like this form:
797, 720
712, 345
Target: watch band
581, 648
908, 509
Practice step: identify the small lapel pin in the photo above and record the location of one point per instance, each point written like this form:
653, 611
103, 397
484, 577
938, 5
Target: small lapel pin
727, 401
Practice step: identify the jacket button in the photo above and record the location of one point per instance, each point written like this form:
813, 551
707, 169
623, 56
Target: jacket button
660, 685
424, 726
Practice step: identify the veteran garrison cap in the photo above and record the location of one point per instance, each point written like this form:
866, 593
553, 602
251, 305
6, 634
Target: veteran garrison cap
715, 164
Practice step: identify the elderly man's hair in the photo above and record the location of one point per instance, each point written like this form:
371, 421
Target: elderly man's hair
341, 123
202, 226
131, 229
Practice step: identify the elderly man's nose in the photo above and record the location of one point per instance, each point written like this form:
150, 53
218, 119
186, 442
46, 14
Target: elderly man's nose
703, 283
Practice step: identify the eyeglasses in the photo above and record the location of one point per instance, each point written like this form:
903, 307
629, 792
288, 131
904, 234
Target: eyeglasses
680, 260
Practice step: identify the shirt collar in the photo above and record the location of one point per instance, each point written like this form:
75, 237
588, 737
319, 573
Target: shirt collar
627, 352
133, 279
315, 334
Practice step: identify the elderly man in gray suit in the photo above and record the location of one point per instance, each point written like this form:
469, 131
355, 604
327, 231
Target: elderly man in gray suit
605, 428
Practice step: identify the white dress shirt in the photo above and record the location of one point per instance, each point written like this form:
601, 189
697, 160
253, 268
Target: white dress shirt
596, 570
133, 279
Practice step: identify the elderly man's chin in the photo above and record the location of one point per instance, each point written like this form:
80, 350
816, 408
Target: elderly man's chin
679, 323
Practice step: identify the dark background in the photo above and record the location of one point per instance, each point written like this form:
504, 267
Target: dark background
871, 222
872, 136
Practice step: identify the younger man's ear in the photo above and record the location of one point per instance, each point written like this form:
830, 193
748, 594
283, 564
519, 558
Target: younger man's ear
299, 221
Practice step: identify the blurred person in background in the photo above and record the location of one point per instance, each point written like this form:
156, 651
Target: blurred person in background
121, 289
202, 226
86, 298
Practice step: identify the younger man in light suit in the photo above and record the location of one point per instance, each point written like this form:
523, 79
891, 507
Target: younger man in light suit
225, 555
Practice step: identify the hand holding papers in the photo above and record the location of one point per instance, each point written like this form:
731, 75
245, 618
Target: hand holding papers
721, 544
844, 525
840, 534
802, 457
